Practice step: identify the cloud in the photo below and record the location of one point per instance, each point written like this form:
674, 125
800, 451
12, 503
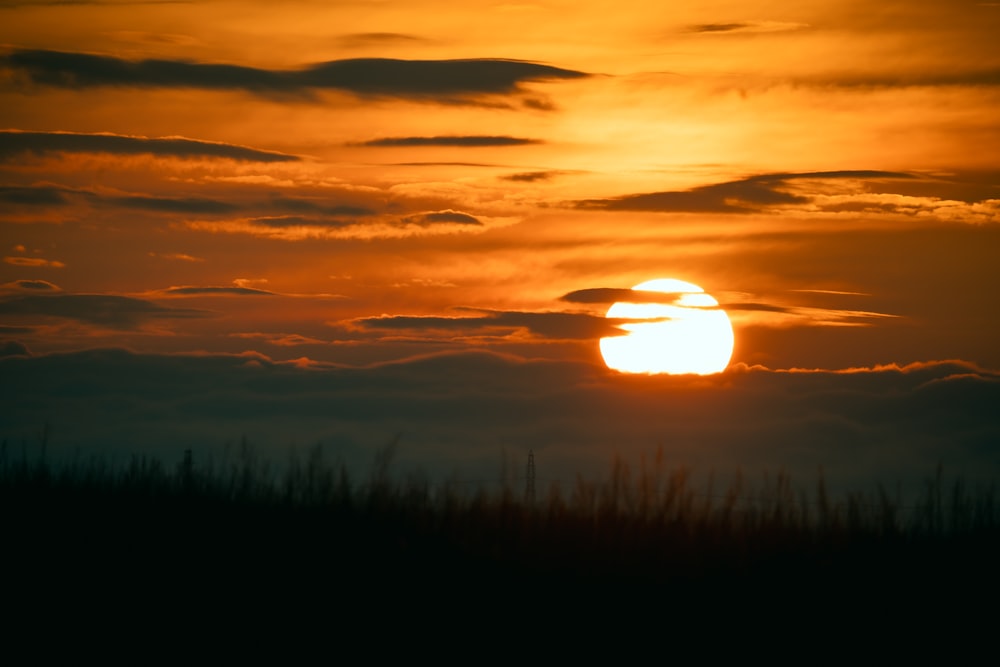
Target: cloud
823, 316
456, 415
485, 324
790, 315
534, 176
742, 196
16, 142
969, 77
830, 292
300, 205
113, 311
609, 295
15, 331
279, 223
363, 39
718, 27
30, 286
281, 339
173, 204
34, 261
35, 195
458, 141
189, 290
177, 256
12, 348
385, 225
442, 217
758, 307
746, 27
432, 79
498, 323
443, 164
142, 37
446, 81
47, 195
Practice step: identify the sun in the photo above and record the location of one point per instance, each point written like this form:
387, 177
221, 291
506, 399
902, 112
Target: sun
685, 332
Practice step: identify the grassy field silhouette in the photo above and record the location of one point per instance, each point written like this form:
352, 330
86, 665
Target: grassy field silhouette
311, 523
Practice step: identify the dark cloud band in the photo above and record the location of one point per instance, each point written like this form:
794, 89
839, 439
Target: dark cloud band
286, 210
16, 143
441, 80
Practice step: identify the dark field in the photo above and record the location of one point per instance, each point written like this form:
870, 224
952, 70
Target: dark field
242, 535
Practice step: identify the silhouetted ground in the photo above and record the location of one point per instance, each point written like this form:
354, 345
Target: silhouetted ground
157, 543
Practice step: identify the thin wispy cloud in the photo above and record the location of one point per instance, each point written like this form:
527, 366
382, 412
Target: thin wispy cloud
34, 262
174, 204
294, 221
786, 315
740, 27
454, 141
534, 176
483, 165
972, 76
552, 325
746, 195
281, 339
301, 228
194, 290
177, 256
379, 39
16, 142
109, 310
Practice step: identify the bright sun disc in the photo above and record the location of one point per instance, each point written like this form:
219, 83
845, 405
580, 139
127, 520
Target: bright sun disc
686, 333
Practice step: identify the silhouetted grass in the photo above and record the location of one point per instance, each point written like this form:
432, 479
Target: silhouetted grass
246, 524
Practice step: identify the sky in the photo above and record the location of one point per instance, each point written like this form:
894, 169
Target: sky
349, 224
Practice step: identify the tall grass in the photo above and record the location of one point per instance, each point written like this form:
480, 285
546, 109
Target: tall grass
651, 524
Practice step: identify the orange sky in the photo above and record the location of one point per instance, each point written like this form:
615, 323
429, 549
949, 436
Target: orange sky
338, 183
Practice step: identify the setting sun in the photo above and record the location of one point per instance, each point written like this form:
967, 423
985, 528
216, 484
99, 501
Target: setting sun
685, 333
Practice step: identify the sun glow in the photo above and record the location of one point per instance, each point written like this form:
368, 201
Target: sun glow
686, 333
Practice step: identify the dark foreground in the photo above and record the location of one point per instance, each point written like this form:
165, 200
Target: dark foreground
151, 541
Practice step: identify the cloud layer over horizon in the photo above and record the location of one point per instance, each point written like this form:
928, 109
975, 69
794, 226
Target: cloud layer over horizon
458, 413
